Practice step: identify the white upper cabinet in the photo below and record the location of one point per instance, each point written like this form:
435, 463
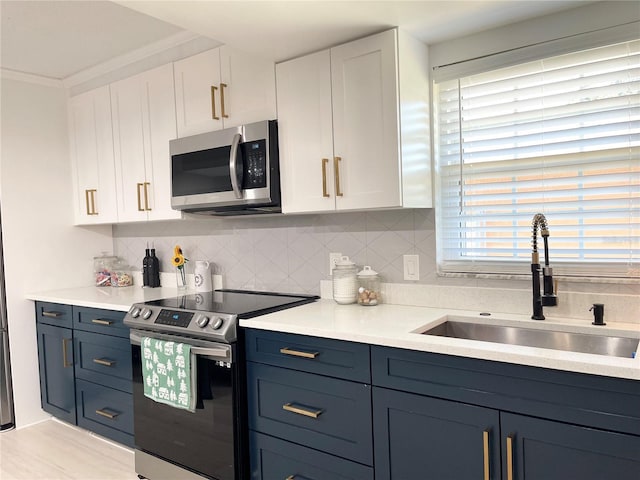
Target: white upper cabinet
144, 120
354, 126
222, 88
92, 158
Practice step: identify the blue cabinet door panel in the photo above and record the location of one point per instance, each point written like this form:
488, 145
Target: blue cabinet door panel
546, 450
103, 359
100, 321
421, 437
55, 358
106, 411
272, 458
279, 399
334, 358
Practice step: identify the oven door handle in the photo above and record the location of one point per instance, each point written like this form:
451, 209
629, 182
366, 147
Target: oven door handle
221, 352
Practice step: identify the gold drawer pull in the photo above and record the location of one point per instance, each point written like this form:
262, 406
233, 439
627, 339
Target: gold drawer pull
289, 407
106, 414
298, 353
222, 105
336, 175
509, 457
100, 321
485, 447
213, 103
52, 314
102, 361
65, 353
325, 161
139, 186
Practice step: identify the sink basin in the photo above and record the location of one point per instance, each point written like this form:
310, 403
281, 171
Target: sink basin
531, 337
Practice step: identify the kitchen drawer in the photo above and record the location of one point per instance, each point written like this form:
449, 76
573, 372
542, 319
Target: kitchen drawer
335, 358
100, 321
115, 420
54, 314
324, 413
103, 359
272, 458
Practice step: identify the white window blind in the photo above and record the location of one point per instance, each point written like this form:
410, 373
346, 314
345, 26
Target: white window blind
559, 136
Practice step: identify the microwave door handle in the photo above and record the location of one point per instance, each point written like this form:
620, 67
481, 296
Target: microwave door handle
233, 166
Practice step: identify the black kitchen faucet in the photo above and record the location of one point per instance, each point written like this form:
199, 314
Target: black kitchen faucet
548, 298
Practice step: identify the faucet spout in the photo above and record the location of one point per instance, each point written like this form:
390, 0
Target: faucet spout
549, 298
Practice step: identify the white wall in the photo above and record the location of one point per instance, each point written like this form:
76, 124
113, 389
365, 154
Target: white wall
42, 250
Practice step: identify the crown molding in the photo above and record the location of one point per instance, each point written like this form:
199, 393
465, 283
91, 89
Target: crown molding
7, 74
129, 58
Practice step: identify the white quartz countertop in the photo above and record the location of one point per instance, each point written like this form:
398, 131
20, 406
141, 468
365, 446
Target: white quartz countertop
393, 326
401, 326
110, 298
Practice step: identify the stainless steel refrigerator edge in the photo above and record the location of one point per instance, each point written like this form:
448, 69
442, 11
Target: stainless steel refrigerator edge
6, 395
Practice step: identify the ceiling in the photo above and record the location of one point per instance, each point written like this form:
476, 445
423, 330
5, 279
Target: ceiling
57, 39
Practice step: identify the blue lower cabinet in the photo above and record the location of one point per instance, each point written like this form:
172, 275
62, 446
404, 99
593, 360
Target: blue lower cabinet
547, 450
275, 459
326, 414
103, 359
423, 437
55, 358
106, 411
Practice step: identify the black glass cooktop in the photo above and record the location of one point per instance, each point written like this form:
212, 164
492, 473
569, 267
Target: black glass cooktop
244, 303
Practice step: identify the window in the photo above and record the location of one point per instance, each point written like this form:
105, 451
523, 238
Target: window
561, 136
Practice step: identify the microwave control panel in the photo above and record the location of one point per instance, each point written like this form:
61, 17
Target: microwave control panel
255, 164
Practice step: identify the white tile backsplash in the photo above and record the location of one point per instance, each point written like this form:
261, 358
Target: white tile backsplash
291, 252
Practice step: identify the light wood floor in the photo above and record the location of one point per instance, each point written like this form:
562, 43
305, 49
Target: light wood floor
53, 450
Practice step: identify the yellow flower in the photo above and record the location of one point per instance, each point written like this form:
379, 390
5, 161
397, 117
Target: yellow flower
178, 260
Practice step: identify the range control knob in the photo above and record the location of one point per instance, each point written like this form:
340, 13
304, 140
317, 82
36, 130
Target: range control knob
217, 323
135, 312
146, 313
202, 321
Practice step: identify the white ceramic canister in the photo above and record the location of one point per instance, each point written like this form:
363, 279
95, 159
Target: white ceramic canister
345, 283
202, 276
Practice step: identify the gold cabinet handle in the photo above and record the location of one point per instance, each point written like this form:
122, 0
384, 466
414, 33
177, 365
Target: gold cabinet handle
146, 196
100, 321
509, 457
51, 314
485, 448
222, 103
65, 353
93, 202
102, 361
325, 161
213, 103
107, 414
86, 201
138, 188
290, 407
336, 174
298, 353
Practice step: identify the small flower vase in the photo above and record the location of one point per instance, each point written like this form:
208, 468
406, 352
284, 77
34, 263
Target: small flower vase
181, 278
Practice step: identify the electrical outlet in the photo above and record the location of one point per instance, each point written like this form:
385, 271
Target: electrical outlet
333, 259
411, 267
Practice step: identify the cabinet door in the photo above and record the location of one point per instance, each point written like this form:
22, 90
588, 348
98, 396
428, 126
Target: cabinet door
365, 122
144, 122
546, 450
127, 107
305, 133
92, 159
424, 437
247, 88
55, 358
197, 81
160, 127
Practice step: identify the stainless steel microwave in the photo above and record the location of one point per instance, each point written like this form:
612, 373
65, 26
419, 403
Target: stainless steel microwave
234, 171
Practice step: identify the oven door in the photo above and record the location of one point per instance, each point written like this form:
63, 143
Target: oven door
208, 441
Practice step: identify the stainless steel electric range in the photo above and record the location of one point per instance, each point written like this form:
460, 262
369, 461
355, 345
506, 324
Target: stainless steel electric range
210, 442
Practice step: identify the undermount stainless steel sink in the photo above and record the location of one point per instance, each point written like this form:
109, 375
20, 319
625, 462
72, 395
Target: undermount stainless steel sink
531, 337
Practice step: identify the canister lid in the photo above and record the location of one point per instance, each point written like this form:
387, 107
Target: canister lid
344, 262
367, 272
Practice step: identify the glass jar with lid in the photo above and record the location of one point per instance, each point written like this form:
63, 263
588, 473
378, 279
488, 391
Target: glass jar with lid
121, 274
345, 283
102, 267
368, 287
